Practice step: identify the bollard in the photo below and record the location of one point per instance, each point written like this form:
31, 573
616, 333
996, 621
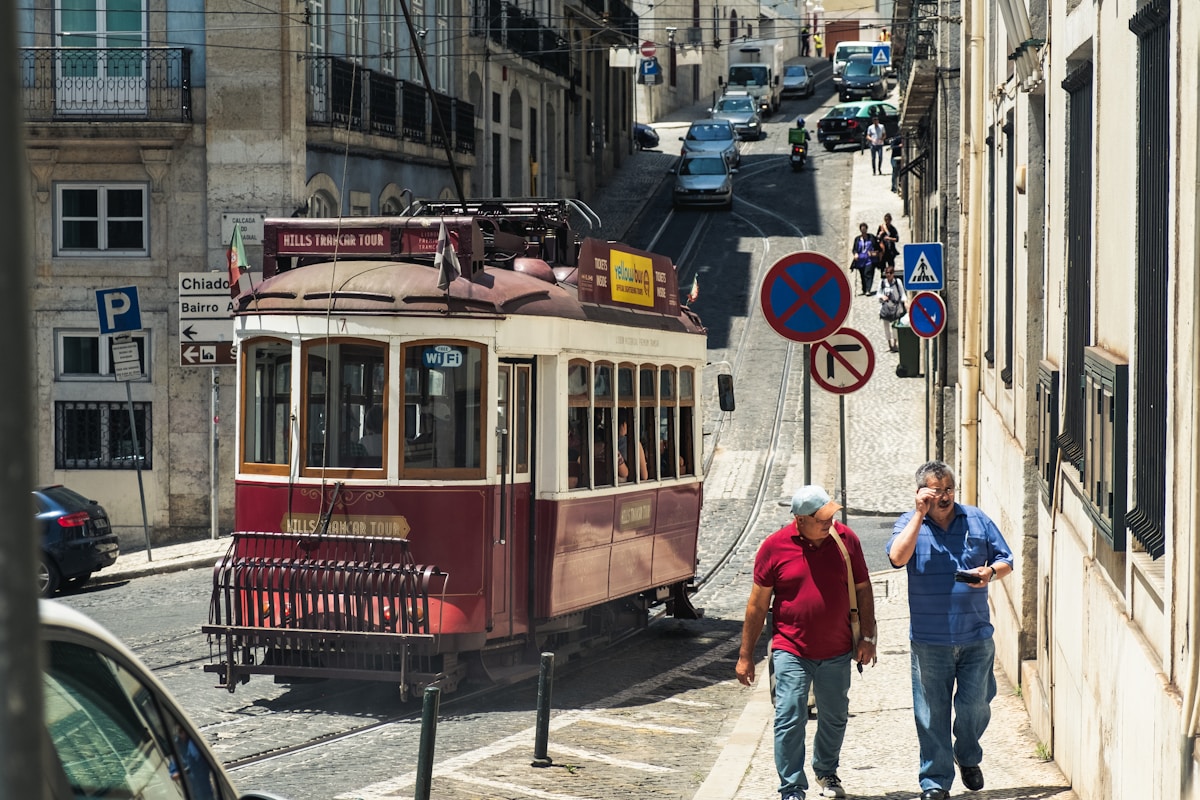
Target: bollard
545, 684
429, 714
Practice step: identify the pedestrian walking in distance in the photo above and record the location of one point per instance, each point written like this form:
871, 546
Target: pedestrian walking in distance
800, 576
952, 552
876, 137
865, 255
891, 305
897, 155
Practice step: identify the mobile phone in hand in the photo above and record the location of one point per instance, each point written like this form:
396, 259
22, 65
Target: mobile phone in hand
963, 576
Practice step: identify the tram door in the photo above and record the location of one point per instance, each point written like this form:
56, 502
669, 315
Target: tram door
513, 497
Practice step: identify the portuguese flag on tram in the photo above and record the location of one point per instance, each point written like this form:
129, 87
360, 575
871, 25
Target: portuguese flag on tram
239, 279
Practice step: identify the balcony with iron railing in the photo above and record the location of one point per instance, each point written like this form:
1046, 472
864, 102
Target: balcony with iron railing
126, 84
343, 95
615, 15
515, 29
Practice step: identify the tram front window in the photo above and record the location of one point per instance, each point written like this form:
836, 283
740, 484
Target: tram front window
266, 433
443, 401
336, 410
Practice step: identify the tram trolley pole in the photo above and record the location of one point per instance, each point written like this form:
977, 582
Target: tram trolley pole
542, 735
429, 715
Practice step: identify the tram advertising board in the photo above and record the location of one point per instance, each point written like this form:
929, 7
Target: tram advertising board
842, 363
927, 315
612, 274
805, 296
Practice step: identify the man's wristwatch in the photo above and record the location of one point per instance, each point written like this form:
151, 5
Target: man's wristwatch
871, 639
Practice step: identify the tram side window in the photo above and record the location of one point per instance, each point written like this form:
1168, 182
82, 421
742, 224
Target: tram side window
336, 409
443, 404
266, 431
648, 418
687, 429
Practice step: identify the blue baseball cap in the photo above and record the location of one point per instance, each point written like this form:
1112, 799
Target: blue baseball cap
813, 501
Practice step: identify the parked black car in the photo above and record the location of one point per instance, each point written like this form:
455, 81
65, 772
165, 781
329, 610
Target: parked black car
76, 537
645, 137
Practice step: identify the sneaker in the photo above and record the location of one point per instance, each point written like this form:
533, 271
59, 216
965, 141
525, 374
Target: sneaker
792, 796
831, 786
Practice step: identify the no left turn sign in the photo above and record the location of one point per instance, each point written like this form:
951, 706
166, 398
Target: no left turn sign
843, 363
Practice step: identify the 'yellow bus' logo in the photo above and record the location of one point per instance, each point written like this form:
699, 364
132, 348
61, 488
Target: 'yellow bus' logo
631, 278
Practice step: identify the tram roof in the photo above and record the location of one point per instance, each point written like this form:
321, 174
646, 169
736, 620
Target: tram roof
409, 288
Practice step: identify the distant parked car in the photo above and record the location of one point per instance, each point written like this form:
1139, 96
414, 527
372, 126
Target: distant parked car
797, 80
712, 136
862, 79
645, 137
703, 179
847, 123
76, 538
740, 109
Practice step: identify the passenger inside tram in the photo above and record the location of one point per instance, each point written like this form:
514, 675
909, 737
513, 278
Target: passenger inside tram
623, 452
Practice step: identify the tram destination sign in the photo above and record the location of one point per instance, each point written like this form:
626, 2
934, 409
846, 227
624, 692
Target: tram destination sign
625, 277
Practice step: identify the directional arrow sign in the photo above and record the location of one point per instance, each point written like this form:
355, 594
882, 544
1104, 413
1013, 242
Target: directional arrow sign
843, 363
805, 296
206, 355
927, 315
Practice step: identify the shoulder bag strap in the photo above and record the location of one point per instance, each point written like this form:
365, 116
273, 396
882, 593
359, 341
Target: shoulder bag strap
854, 626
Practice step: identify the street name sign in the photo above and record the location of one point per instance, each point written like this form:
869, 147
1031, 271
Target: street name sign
205, 317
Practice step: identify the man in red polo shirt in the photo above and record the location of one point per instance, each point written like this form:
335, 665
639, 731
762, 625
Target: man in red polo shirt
800, 576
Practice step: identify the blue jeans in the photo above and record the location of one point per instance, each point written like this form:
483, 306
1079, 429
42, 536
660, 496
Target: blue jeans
945, 676
830, 679
877, 158
895, 178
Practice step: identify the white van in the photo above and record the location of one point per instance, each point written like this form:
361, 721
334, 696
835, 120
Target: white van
842, 53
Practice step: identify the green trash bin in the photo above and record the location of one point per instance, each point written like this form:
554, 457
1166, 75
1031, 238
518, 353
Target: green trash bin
910, 350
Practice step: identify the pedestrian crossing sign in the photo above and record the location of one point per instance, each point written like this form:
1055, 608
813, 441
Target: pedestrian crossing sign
881, 55
923, 267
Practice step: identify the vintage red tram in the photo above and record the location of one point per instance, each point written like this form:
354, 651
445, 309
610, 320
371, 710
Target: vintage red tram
430, 479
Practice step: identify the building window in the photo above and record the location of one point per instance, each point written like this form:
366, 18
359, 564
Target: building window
1106, 427
97, 435
1147, 519
101, 219
1045, 455
88, 356
355, 31
387, 37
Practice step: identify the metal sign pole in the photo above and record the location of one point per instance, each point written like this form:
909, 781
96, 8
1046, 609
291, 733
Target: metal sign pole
807, 414
928, 393
214, 465
842, 448
137, 462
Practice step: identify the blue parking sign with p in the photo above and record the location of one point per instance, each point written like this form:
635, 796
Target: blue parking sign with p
119, 311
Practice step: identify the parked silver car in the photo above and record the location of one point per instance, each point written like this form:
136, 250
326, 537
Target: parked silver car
712, 136
740, 109
797, 80
703, 179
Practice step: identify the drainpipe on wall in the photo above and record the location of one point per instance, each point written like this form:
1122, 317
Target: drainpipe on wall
1191, 693
968, 412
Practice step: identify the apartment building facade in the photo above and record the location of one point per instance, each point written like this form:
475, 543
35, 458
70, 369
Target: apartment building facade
1070, 363
154, 126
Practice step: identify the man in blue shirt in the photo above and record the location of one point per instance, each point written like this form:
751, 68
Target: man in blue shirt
952, 553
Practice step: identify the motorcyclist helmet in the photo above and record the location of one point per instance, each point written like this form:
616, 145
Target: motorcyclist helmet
799, 122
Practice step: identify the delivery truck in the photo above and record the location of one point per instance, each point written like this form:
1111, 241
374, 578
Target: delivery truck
757, 69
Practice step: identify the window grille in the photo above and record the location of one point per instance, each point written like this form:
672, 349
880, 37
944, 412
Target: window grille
1079, 258
96, 435
1147, 519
